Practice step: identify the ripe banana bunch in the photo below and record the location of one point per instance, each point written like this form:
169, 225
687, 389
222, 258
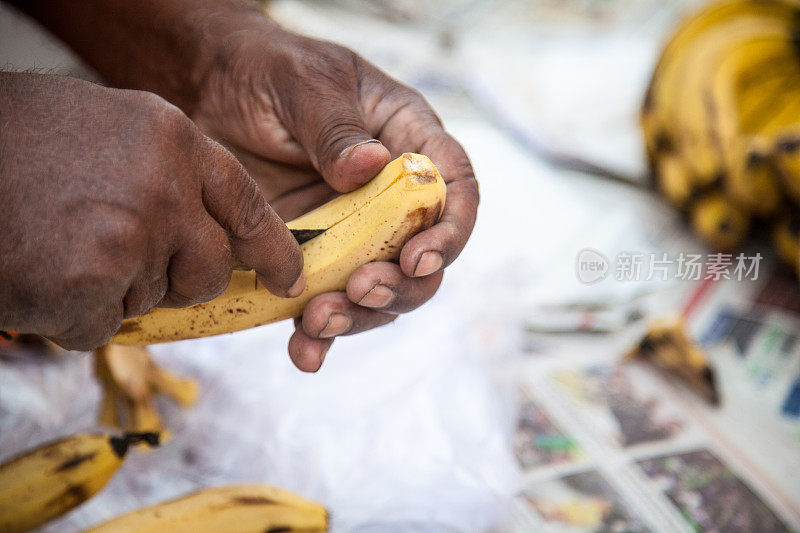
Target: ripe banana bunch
49, 481
721, 120
240, 509
371, 223
130, 380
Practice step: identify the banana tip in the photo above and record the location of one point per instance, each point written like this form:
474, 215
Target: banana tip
418, 169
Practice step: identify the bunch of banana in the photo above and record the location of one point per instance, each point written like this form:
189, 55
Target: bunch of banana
240, 509
721, 119
49, 481
371, 223
130, 380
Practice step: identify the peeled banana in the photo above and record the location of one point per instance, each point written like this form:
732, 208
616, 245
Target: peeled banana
721, 119
49, 481
371, 223
240, 509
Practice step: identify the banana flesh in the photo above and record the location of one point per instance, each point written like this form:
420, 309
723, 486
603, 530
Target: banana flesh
371, 223
721, 119
49, 481
240, 509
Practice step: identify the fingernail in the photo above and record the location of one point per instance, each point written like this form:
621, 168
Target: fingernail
378, 297
322, 357
298, 287
347, 151
429, 263
337, 324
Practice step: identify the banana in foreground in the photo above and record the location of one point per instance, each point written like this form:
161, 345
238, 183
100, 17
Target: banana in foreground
371, 223
45, 483
239, 509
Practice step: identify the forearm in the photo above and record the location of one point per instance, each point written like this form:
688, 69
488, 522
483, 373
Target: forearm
165, 47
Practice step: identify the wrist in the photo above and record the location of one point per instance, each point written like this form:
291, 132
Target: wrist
161, 47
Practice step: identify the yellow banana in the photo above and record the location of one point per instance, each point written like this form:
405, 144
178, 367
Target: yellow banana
723, 53
787, 161
724, 46
766, 92
786, 238
749, 175
751, 178
661, 96
371, 223
721, 118
674, 179
49, 481
241, 509
718, 221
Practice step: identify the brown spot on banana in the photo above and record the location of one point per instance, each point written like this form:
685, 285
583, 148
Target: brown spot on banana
72, 463
73, 496
253, 500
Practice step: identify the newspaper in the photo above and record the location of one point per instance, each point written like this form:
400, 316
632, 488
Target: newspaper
611, 446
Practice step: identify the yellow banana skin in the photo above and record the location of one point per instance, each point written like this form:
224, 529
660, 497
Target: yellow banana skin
49, 481
750, 177
240, 509
786, 239
718, 221
721, 119
371, 223
722, 52
664, 95
787, 155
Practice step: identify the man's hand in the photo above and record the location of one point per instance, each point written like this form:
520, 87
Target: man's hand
311, 119
112, 202
308, 119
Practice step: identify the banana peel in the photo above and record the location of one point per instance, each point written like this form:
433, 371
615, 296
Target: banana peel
130, 381
668, 346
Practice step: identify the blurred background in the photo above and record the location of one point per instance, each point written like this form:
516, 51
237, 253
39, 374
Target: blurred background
501, 405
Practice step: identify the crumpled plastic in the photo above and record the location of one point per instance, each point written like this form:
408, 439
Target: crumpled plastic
402, 430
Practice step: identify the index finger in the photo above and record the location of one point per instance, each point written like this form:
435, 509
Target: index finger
257, 235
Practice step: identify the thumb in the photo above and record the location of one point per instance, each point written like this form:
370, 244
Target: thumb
339, 145
257, 235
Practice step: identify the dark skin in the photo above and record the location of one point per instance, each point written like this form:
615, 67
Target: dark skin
113, 201
307, 119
